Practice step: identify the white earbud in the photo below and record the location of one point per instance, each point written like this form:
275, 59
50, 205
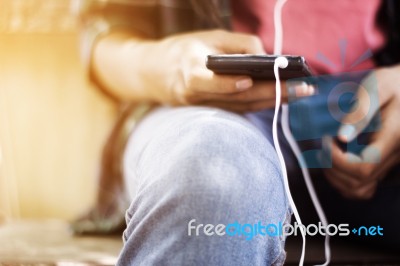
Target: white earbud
282, 62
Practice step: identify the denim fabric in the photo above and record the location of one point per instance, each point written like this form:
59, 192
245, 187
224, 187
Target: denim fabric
205, 164
217, 167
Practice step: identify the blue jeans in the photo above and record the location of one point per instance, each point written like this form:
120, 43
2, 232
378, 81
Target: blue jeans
209, 165
219, 168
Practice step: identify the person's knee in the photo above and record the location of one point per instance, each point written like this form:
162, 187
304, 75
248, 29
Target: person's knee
214, 160
210, 169
203, 134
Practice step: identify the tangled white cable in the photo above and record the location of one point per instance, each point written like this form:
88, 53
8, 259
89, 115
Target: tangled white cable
282, 62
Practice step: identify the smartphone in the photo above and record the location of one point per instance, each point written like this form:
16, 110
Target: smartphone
257, 66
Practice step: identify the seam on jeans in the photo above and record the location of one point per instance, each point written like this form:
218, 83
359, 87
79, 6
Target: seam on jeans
280, 259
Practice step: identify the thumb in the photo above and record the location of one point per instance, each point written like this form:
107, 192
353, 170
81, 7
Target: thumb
239, 43
365, 107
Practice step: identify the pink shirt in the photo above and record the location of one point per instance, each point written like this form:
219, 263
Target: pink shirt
333, 35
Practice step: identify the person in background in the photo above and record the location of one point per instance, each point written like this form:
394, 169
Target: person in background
205, 151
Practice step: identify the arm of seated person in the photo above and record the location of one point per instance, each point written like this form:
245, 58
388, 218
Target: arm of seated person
172, 70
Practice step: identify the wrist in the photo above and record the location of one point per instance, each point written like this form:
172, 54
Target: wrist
149, 64
119, 61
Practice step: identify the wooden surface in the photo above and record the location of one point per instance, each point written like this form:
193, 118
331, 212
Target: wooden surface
49, 242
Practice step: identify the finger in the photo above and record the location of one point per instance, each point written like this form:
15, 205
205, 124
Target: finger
382, 146
241, 107
339, 186
348, 181
363, 192
368, 191
384, 167
260, 91
352, 164
365, 107
204, 80
381, 154
297, 89
348, 186
346, 162
364, 167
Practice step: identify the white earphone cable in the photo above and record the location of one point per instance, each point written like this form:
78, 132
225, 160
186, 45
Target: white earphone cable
279, 63
310, 187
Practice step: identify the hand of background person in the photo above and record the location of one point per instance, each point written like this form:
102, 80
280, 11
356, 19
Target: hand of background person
354, 176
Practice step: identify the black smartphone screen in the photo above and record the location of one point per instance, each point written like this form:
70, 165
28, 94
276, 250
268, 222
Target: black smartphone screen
257, 66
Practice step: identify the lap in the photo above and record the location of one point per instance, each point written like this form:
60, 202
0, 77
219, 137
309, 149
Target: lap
169, 125
204, 164
209, 134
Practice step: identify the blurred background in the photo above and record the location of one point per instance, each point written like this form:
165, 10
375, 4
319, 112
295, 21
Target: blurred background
52, 122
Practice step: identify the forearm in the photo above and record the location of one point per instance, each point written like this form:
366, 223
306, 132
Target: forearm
120, 61
172, 70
